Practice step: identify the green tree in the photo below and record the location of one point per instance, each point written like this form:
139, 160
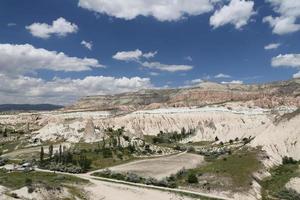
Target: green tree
42, 155
192, 178
60, 153
50, 151
84, 162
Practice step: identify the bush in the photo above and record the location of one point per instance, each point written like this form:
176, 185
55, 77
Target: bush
30, 190
288, 194
107, 153
192, 178
28, 182
191, 149
151, 181
133, 178
288, 160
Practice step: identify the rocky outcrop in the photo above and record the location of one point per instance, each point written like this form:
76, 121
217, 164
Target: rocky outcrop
264, 95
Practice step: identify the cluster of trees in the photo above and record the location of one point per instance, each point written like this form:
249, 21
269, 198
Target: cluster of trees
64, 160
114, 137
171, 137
288, 160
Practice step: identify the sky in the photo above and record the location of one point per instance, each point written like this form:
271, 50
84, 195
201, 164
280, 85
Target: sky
60, 50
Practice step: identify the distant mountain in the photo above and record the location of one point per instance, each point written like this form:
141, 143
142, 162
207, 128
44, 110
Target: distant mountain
285, 93
28, 107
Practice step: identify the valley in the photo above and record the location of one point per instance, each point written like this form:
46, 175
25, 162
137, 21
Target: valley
209, 142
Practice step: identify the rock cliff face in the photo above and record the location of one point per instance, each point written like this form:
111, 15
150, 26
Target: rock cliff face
264, 95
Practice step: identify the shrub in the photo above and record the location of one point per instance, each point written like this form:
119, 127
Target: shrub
288, 194
133, 178
30, 190
107, 153
192, 178
191, 149
28, 182
288, 160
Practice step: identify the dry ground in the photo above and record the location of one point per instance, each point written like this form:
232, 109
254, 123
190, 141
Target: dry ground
161, 167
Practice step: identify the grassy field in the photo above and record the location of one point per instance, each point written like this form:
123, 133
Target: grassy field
237, 167
280, 175
17, 180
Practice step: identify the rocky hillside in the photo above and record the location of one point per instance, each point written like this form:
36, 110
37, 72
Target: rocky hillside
264, 95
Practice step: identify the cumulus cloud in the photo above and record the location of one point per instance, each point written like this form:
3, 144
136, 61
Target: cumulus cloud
162, 10
297, 75
238, 82
193, 82
59, 27
128, 55
286, 60
188, 58
165, 67
24, 89
237, 13
289, 13
88, 45
135, 55
221, 75
150, 54
272, 46
21, 59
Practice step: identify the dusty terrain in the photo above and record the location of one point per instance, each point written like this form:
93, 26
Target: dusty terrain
161, 167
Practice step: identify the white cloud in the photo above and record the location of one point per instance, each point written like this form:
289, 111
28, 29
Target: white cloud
287, 60
59, 27
289, 11
150, 54
88, 45
188, 58
165, 67
297, 75
237, 13
272, 46
21, 59
11, 24
192, 83
162, 10
282, 25
238, 82
23, 89
221, 75
154, 73
135, 55
128, 55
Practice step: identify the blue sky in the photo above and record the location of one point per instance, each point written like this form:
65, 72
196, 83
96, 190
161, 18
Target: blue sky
189, 41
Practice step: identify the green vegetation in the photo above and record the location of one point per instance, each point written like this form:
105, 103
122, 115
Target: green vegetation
168, 182
235, 169
83, 157
274, 186
172, 137
238, 166
65, 161
17, 180
192, 178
